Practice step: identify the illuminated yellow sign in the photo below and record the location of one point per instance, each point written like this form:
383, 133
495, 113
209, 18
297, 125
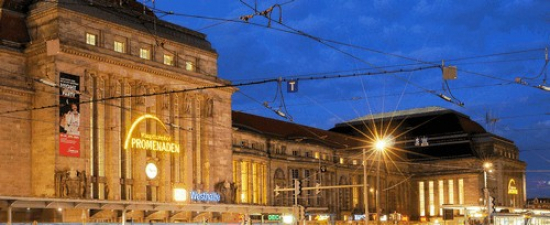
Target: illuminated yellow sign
512, 187
150, 141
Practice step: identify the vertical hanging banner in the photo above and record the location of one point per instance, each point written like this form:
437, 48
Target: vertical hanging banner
69, 115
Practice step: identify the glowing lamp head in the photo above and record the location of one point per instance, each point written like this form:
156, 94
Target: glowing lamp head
380, 145
288, 219
180, 194
488, 166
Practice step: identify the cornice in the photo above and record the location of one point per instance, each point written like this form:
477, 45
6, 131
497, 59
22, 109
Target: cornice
156, 71
187, 47
16, 91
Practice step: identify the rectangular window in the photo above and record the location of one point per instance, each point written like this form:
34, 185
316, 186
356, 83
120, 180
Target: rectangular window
255, 183
145, 53
308, 154
294, 174
189, 66
295, 153
461, 193
244, 180
91, 39
354, 162
432, 198
341, 160
451, 192
421, 198
119, 46
169, 60
441, 196
355, 191
317, 155
236, 172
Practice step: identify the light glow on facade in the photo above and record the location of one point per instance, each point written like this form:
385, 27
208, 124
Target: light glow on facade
150, 141
180, 195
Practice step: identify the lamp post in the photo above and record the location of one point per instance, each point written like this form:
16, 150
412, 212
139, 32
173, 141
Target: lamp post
487, 167
365, 191
380, 147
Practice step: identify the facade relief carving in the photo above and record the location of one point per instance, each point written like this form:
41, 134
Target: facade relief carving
227, 191
71, 184
209, 107
188, 105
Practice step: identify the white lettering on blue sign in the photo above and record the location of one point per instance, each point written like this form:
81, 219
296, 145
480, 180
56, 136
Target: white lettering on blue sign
292, 86
205, 197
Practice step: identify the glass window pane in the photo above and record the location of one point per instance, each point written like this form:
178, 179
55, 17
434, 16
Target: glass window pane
189, 66
91, 39
421, 198
144, 53
169, 60
119, 47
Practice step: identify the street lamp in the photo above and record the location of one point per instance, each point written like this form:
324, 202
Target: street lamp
380, 146
365, 194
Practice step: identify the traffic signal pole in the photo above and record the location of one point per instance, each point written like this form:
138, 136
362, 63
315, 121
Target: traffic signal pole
298, 189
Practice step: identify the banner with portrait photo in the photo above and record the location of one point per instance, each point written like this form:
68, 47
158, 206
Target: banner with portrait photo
69, 115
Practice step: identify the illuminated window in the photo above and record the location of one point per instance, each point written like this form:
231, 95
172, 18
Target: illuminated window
168, 60
432, 197
355, 191
341, 160
119, 46
451, 192
317, 155
236, 172
91, 39
145, 53
263, 176
190, 66
441, 196
244, 182
255, 183
461, 193
421, 198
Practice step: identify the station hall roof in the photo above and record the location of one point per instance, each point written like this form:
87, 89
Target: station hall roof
293, 132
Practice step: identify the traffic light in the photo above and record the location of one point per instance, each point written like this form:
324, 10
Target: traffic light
492, 204
297, 187
301, 213
276, 190
317, 190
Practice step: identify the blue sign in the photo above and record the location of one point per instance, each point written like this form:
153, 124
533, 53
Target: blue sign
292, 86
205, 197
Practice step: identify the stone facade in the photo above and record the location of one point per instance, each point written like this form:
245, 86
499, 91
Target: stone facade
126, 70
141, 77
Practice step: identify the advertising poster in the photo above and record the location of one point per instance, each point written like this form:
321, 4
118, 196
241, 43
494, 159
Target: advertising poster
69, 115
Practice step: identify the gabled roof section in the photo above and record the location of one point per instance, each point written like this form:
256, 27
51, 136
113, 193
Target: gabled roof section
423, 120
432, 110
290, 131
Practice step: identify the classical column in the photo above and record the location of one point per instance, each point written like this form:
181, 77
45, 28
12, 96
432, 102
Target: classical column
125, 154
138, 155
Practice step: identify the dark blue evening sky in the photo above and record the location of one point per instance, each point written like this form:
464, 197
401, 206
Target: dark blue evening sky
490, 42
